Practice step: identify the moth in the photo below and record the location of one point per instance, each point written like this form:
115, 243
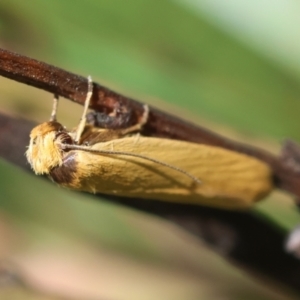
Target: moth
122, 162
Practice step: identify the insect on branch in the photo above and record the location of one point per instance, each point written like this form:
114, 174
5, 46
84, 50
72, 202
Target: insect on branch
74, 87
246, 248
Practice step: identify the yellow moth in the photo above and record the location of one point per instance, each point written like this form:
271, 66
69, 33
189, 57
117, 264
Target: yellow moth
120, 162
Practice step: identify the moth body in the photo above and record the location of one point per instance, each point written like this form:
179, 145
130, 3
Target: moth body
117, 162
229, 179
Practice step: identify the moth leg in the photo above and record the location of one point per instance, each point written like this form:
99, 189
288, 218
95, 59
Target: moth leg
140, 124
54, 108
137, 138
92, 135
82, 122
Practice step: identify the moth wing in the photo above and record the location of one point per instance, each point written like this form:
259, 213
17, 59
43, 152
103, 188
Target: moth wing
228, 179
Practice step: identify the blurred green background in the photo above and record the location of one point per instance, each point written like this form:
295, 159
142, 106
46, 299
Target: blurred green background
233, 67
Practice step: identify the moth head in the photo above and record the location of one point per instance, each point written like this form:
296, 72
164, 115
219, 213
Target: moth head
45, 148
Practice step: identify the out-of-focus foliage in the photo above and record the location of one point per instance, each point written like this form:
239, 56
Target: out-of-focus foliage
165, 54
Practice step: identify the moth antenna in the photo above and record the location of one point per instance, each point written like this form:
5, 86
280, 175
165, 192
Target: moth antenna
87, 149
87, 101
54, 108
